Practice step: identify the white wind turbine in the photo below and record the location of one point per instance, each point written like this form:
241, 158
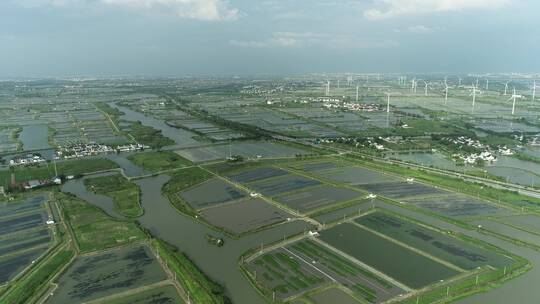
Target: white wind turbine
445, 92
513, 98
327, 88
506, 87
425, 87
413, 82
487, 84
534, 90
473, 93
388, 102
357, 89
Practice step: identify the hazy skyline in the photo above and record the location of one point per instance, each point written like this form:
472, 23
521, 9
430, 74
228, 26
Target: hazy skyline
179, 37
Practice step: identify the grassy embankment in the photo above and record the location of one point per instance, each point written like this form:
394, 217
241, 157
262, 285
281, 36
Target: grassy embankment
181, 180
159, 161
93, 229
200, 288
125, 194
46, 171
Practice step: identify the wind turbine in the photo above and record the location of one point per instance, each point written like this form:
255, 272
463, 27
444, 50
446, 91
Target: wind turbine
534, 90
357, 88
388, 102
474, 90
487, 84
445, 93
425, 88
513, 98
413, 85
459, 81
506, 87
328, 88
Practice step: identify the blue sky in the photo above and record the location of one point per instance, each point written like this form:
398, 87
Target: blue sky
187, 37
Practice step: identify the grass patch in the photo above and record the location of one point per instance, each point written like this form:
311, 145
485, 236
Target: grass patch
125, 194
93, 229
159, 161
147, 135
201, 289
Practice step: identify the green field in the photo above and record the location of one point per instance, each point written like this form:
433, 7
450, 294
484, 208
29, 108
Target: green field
124, 193
93, 229
148, 136
159, 161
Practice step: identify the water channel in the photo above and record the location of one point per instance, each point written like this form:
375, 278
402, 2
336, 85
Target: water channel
165, 222
181, 137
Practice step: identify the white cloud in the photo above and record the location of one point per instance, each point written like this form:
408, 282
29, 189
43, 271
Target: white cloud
206, 10
210, 10
308, 39
393, 8
419, 29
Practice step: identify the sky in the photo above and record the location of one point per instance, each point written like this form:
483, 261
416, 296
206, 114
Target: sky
40, 38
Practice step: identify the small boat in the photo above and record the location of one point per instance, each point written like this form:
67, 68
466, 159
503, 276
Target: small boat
214, 240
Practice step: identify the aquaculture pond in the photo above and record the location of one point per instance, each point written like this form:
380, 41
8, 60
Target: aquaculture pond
436, 160
515, 170
460, 253
252, 150
211, 192
103, 274
399, 190
255, 174
333, 295
166, 294
458, 206
24, 236
12, 265
282, 184
244, 215
317, 197
355, 176
35, 137
406, 266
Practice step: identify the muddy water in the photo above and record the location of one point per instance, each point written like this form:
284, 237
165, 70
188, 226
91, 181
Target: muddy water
165, 222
